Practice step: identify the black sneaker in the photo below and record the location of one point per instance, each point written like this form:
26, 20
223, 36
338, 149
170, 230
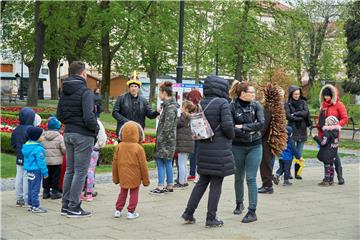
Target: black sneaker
239, 208
276, 179
268, 190
210, 223
298, 177
157, 191
291, 177
287, 183
77, 212
64, 211
249, 217
46, 195
20, 203
188, 218
55, 195
168, 190
94, 194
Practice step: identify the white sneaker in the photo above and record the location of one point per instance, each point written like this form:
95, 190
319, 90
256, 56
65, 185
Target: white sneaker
117, 214
132, 215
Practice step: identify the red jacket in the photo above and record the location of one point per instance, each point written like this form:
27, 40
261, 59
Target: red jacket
333, 108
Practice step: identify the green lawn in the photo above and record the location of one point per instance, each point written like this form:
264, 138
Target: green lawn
344, 143
8, 167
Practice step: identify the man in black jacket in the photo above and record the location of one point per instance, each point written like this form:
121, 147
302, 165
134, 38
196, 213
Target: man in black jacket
76, 111
132, 107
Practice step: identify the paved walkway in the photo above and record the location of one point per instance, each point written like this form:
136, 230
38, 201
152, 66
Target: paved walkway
302, 211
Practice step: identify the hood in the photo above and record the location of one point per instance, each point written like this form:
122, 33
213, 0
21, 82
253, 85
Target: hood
334, 91
292, 89
170, 101
215, 86
28, 148
26, 116
51, 135
131, 132
72, 84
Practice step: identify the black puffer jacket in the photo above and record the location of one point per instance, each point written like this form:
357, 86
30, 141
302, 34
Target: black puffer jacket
214, 157
252, 119
296, 113
123, 111
184, 142
76, 108
329, 144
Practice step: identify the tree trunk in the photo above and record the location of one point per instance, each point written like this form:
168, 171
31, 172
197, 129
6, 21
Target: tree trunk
53, 64
35, 65
197, 72
239, 70
106, 69
152, 74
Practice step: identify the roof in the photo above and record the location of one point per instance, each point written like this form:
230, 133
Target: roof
11, 76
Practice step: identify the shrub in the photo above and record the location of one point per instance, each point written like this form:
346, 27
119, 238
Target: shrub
107, 152
6, 143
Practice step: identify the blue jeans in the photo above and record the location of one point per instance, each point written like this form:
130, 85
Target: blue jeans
192, 158
247, 160
164, 166
34, 180
299, 147
284, 167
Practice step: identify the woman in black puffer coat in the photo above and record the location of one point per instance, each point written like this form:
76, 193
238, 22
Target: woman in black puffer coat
214, 156
297, 114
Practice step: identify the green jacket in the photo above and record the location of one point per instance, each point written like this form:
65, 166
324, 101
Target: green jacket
166, 130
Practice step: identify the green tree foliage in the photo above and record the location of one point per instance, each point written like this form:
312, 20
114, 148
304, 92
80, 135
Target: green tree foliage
352, 32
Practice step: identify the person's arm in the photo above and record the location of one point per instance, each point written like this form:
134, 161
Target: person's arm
148, 111
343, 116
59, 113
116, 111
324, 140
290, 116
227, 124
62, 145
41, 161
143, 166
12, 141
115, 173
259, 124
303, 113
88, 113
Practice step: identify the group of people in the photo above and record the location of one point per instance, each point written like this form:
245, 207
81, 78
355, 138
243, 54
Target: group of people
246, 137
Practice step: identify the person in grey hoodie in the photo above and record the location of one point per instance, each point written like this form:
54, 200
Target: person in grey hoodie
55, 150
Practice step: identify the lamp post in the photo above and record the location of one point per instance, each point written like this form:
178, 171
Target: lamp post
21, 79
179, 68
59, 86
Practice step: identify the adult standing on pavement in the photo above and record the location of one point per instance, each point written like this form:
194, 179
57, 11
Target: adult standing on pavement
76, 111
332, 106
132, 107
248, 116
98, 105
214, 158
194, 96
297, 114
274, 135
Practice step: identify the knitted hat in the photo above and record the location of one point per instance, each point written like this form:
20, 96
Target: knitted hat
331, 121
327, 92
34, 133
53, 123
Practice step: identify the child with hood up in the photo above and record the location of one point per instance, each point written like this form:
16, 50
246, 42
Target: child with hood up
129, 167
329, 143
27, 118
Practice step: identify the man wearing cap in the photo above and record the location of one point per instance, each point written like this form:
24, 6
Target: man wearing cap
132, 107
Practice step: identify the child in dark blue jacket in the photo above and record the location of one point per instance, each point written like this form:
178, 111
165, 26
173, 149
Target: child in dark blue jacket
35, 165
18, 138
285, 159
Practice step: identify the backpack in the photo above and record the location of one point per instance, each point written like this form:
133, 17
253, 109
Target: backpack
200, 126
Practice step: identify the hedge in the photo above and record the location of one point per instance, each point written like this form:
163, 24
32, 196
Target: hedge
43, 115
106, 153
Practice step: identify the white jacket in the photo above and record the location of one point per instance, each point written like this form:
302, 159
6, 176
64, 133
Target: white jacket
101, 137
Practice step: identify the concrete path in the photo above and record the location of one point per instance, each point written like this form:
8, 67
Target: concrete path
302, 211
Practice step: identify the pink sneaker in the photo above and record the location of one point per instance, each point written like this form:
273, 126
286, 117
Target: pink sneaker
82, 198
89, 198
